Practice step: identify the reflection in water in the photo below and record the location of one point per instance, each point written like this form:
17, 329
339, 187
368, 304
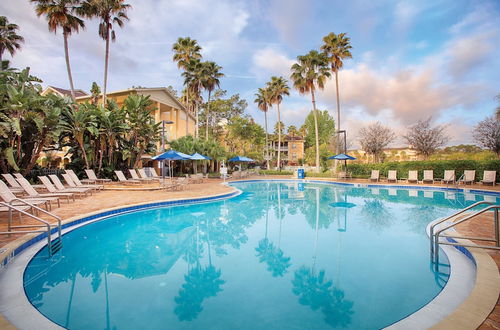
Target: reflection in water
277, 262
377, 215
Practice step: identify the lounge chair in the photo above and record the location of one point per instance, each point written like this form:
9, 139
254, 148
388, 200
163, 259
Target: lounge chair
375, 176
121, 177
11, 179
91, 175
412, 176
428, 176
33, 193
60, 187
134, 176
489, 177
143, 175
15, 187
183, 183
8, 197
52, 189
392, 176
449, 177
468, 177
79, 183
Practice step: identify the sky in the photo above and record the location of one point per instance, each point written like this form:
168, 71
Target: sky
411, 59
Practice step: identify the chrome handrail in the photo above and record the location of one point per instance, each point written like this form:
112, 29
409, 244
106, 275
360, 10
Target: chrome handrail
431, 229
497, 233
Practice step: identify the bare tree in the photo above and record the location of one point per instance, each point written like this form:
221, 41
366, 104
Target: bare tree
487, 134
374, 138
425, 138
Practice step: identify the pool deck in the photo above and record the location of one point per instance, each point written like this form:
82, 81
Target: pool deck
121, 196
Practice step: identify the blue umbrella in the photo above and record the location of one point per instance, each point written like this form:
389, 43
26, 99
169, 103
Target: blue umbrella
170, 155
197, 156
241, 159
343, 157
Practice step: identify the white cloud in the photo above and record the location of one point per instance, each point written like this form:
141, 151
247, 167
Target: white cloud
268, 62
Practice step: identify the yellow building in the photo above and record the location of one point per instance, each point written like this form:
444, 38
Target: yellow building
390, 154
292, 149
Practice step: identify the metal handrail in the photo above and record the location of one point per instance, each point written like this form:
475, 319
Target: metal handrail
45, 223
431, 229
497, 233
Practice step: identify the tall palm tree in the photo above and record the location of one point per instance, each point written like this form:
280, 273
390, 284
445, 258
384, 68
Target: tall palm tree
9, 39
109, 12
211, 76
193, 80
185, 50
309, 73
61, 14
278, 87
263, 100
497, 111
337, 49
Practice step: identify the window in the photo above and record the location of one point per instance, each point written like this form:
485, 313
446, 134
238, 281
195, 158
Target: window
294, 146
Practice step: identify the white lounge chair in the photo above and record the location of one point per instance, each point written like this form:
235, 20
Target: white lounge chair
121, 177
375, 176
13, 178
143, 175
79, 183
449, 177
73, 176
428, 176
392, 176
15, 187
57, 182
412, 176
489, 177
134, 176
8, 197
469, 177
33, 193
52, 189
91, 175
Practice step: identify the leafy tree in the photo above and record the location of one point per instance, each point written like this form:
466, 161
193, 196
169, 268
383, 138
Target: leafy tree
487, 134
425, 138
210, 80
263, 100
326, 128
325, 151
309, 73
95, 91
278, 86
9, 39
224, 110
337, 49
293, 131
374, 138
109, 12
61, 14
246, 137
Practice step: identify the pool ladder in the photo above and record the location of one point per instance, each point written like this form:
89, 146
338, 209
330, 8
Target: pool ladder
53, 245
436, 233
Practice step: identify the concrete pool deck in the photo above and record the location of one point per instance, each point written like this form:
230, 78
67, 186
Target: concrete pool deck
117, 198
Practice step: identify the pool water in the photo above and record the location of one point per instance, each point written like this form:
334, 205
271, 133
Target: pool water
281, 255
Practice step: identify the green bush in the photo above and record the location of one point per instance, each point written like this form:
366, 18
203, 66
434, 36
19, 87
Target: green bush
327, 174
438, 166
274, 172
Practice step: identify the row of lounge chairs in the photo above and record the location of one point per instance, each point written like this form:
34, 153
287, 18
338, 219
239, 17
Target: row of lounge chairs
489, 177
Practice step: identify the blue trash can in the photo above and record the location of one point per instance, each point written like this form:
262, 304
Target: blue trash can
300, 173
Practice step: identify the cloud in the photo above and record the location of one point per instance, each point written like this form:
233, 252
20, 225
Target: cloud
271, 62
404, 15
289, 17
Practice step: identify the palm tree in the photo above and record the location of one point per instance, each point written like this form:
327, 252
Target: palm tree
185, 50
497, 111
211, 75
77, 123
263, 100
9, 40
109, 12
310, 73
337, 48
292, 130
193, 80
278, 87
60, 14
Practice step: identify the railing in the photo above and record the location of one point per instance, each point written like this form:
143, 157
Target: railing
52, 248
434, 237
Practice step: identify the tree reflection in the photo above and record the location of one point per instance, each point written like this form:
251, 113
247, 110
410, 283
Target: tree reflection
277, 262
376, 215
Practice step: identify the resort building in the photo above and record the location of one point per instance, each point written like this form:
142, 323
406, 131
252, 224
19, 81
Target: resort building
292, 149
389, 154
62, 92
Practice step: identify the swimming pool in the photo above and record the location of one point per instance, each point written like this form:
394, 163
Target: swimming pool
280, 255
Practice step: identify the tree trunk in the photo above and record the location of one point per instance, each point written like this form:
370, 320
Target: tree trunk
315, 130
68, 67
279, 137
206, 117
337, 149
106, 60
84, 154
267, 142
196, 128
1, 58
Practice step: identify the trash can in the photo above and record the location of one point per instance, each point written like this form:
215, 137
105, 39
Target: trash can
300, 173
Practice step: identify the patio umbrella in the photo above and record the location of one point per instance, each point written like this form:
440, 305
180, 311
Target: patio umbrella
171, 155
241, 159
197, 156
343, 157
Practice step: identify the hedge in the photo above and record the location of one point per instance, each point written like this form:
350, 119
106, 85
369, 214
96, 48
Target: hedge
274, 172
438, 166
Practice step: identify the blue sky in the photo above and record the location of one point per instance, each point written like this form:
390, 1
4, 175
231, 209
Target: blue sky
411, 59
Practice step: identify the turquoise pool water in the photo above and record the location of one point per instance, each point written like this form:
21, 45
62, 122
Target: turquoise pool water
279, 256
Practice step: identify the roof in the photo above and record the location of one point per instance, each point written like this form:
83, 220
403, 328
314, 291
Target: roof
294, 138
78, 92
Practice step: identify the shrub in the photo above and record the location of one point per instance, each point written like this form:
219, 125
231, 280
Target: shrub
274, 172
438, 166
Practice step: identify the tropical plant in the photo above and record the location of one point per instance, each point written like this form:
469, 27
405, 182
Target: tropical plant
337, 49
278, 86
9, 39
193, 80
61, 14
95, 91
210, 79
263, 100
185, 50
292, 130
109, 12
308, 74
